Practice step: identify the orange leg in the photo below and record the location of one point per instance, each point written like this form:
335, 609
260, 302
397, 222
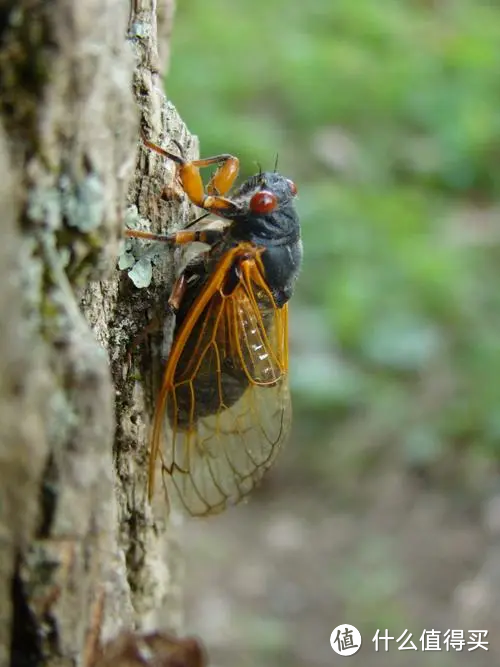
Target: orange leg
178, 291
219, 185
208, 236
225, 175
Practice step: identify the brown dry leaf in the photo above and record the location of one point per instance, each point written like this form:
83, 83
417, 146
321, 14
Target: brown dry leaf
157, 649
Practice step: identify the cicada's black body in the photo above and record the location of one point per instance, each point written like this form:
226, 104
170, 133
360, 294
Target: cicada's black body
278, 235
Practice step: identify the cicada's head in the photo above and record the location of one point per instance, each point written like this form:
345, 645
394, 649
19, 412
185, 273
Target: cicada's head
265, 209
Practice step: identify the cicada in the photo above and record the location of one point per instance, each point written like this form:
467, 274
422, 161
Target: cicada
225, 391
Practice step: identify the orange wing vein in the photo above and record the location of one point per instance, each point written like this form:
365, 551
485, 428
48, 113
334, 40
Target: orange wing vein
224, 393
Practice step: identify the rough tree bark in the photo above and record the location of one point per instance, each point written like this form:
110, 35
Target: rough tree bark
80, 549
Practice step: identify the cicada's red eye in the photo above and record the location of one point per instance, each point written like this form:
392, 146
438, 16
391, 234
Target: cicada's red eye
263, 202
292, 186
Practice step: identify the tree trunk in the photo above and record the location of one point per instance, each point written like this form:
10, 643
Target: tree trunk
81, 554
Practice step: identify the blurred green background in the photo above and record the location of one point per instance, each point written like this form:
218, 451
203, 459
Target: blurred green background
387, 115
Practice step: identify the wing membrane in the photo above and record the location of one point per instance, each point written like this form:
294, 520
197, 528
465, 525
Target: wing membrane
225, 393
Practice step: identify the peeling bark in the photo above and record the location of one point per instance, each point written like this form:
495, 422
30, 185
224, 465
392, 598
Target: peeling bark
81, 554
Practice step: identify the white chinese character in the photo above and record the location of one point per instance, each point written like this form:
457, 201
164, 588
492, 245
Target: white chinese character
403, 646
384, 638
455, 639
476, 641
430, 640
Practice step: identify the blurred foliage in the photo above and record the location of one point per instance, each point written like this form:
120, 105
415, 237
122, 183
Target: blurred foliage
387, 115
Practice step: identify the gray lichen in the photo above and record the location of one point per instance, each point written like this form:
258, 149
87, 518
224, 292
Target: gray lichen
82, 202
141, 273
44, 206
138, 257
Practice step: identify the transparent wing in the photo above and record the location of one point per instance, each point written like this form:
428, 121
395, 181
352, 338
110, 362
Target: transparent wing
225, 396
